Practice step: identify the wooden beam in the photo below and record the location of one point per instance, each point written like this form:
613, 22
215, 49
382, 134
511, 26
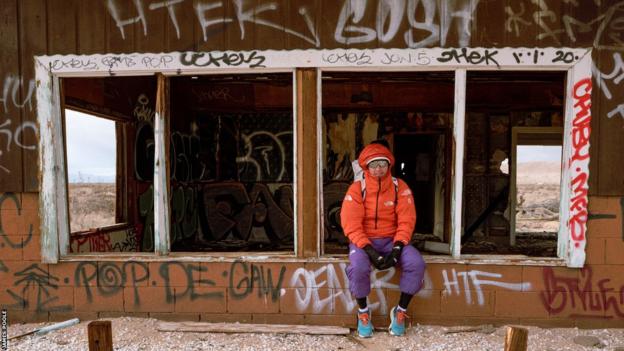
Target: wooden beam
307, 194
162, 212
100, 336
458, 161
516, 339
201, 327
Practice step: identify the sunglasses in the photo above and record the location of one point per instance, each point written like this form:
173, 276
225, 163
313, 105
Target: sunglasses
378, 164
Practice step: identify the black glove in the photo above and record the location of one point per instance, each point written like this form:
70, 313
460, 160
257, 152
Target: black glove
376, 259
393, 257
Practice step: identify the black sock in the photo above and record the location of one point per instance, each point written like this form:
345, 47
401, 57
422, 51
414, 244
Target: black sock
404, 300
362, 303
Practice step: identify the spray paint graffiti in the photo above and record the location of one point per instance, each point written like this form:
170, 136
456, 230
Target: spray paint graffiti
10, 98
601, 299
5, 236
242, 16
606, 25
581, 130
310, 283
473, 280
615, 77
45, 284
244, 278
266, 152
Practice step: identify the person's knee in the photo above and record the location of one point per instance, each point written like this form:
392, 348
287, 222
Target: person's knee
413, 262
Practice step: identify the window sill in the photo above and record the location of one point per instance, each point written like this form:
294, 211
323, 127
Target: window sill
501, 260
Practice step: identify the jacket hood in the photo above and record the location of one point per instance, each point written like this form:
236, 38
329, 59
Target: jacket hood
372, 152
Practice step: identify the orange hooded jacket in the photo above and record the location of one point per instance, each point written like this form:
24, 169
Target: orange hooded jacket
377, 215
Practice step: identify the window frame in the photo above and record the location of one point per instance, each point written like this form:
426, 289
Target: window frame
575, 61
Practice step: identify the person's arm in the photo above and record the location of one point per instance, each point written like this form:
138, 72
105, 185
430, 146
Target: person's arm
352, 216
406, 214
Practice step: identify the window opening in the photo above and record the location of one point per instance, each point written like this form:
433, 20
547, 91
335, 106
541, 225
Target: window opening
109, 143
495, 195
231, 163
412, 112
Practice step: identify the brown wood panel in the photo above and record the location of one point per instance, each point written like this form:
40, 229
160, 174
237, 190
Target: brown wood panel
212, 37
520, 28
488, 25
62, 23
585, 12
153, 38
327, 13
307, 167
611, 147
91, 22
240, 34
297, 13
120, 39
33, 41
10, 118
594, 140
181, 35
271, 34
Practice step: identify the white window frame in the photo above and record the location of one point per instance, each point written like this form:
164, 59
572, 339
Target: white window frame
576, 62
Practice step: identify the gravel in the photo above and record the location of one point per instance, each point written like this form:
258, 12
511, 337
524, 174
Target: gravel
141, 334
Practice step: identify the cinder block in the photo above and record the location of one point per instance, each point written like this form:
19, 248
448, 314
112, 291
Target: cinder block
178, 274
546, 278
595, 251
30, 201
519, 304
117, 314
605, 217
349, 321
147, 299
11, 248
89, 298
32, 247
307, 301
459, 304
74, 273
614, 251
200, 300
252, 301
42, 297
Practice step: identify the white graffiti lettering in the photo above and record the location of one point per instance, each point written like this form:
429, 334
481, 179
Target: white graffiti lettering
472, 280
614, 77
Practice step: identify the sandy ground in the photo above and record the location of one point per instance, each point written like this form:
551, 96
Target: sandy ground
141, 334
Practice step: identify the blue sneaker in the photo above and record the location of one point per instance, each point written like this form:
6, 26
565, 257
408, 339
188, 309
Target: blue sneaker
365, 327
397, 322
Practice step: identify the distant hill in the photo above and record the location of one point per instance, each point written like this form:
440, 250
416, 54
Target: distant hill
90, 178
538, 173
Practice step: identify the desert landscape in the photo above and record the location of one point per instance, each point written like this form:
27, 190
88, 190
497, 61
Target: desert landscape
91, 205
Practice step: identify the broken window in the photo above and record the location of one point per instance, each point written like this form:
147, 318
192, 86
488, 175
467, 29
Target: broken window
109, 143
512, 163
412, 113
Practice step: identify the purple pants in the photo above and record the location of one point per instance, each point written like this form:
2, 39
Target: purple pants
359, 269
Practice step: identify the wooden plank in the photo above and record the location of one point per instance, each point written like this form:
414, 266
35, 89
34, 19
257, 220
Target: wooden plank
11, 178
302, 18
181, 26
120, 25
270, 29
92, 17
458, 162
100, 336
62, 32
210, 33
162, 212
516, 339
200, 327
152, 36
32, 33
611, 115
307, 208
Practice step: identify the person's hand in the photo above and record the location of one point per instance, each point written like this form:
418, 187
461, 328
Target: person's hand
393, 257
376, 259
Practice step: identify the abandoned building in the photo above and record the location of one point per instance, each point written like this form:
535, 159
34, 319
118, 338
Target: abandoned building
187, 160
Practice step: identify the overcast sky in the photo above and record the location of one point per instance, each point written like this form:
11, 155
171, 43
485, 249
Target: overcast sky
91, 148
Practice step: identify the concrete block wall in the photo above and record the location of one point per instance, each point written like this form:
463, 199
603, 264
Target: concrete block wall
300, 292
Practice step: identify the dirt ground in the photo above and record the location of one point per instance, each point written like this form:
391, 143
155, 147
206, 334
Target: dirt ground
142, 334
